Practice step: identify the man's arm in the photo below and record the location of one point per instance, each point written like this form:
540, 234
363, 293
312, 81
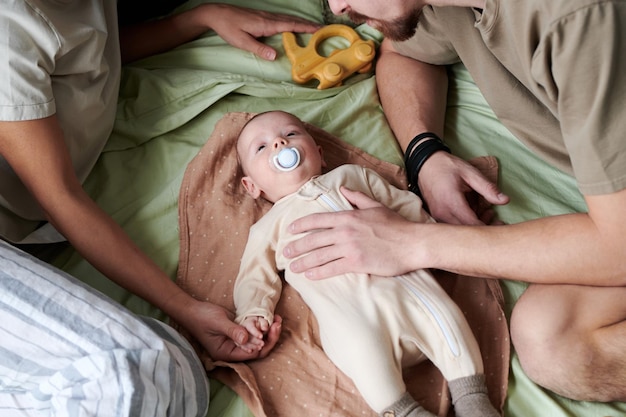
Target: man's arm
581, 248
413, 95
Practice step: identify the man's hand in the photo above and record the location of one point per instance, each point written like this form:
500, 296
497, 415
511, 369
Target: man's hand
351, 241
452, 189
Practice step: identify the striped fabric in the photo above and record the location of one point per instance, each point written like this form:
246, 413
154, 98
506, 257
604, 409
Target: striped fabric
66, 350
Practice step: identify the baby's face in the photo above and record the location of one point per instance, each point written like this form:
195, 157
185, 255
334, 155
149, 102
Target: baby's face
261, 140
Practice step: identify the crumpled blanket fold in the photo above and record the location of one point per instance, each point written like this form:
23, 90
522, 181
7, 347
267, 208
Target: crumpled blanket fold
215, 214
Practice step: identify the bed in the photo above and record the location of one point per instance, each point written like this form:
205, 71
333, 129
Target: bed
169, 104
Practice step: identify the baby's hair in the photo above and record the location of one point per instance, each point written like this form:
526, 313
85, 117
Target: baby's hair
261, 114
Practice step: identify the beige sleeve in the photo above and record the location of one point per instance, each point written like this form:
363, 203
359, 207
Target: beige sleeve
404, 202
258, 286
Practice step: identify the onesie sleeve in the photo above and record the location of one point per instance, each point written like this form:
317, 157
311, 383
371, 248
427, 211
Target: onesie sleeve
258, 286
404, 202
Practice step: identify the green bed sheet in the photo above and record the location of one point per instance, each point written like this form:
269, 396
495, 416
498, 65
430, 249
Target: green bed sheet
169, 104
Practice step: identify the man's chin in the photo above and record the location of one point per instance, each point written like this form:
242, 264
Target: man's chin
391, 31
396, 36
398, 30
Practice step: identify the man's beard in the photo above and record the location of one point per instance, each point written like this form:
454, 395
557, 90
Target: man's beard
399, 29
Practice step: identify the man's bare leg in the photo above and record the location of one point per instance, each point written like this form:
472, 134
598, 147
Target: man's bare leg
572, 340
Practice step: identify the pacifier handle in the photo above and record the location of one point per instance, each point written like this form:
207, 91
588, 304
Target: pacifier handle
287, 159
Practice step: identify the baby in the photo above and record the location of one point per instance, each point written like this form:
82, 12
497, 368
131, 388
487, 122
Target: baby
371, 327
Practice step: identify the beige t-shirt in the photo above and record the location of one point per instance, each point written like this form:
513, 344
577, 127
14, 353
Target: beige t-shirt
59, 57
554, 73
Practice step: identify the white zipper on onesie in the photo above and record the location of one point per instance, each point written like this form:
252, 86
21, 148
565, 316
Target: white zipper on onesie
441, 322
330, 202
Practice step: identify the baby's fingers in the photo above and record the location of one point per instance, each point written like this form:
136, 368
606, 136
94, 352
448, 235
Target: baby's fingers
253, 345
263, 325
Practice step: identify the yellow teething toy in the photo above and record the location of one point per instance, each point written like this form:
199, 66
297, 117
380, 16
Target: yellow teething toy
340, 64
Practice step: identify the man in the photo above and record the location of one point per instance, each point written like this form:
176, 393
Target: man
556, 82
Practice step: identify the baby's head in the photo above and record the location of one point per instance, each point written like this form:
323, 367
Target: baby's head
265, 173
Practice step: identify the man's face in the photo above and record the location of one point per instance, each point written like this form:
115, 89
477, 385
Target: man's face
396, 19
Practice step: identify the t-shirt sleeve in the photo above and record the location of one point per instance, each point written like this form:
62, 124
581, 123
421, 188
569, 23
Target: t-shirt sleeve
430, 43
28, 46
582, 62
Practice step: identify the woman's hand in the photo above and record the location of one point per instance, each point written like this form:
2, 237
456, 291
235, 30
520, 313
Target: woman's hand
223, 339
238, 26
241, 27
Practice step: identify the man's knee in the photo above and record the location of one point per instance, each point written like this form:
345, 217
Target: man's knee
536, 337
558, 350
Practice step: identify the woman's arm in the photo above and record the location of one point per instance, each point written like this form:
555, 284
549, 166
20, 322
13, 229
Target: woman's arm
36, 151
236, 25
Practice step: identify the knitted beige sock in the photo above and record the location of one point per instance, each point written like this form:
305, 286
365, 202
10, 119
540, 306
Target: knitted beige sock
469, 396
406, 406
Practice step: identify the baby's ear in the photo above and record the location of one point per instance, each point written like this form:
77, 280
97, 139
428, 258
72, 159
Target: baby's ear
324, 164
251, 187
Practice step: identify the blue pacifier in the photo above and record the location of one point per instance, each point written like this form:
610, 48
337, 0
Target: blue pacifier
287, 159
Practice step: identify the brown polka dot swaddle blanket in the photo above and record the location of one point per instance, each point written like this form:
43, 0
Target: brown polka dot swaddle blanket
215, 214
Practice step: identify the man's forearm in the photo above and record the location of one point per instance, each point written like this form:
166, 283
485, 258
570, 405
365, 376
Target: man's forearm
565, 249
413, 94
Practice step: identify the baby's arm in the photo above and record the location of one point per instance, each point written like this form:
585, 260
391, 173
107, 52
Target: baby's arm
257, 288
257, 328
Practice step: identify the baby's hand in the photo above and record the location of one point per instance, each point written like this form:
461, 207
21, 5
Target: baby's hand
257, 327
